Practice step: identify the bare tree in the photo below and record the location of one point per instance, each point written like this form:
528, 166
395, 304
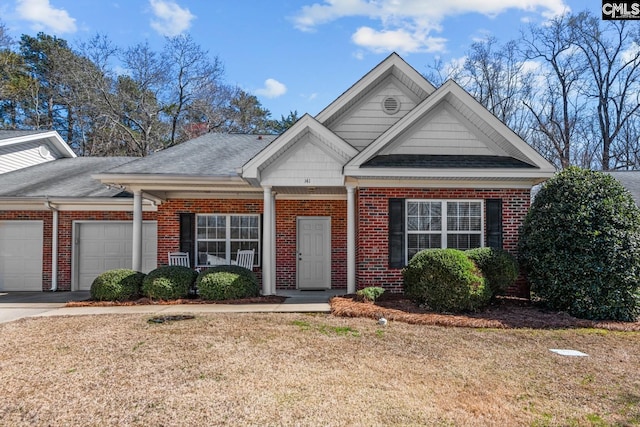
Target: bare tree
612, 57
191, 73
557, 105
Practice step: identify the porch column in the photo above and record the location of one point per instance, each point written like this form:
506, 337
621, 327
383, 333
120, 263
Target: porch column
267, 243
351, 240
136, 255
273, 243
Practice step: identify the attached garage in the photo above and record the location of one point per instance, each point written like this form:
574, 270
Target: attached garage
106, 245
21, 255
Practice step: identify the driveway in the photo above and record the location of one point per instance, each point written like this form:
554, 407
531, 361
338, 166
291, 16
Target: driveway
15, 305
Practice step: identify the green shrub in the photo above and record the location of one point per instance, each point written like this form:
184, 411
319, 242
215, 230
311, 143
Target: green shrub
580, 246
445, 280
117, 285
499, 267
226, 282
169, 282
370, 293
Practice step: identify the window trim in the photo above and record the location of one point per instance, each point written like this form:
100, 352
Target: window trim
228, 240
444, 232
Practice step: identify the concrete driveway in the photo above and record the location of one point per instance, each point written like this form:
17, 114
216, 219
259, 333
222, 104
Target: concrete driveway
16, 305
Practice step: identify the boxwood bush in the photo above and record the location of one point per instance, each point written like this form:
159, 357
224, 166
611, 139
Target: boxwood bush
499, 267
580, 246
445, 280
117, 285
169, 282
227, 282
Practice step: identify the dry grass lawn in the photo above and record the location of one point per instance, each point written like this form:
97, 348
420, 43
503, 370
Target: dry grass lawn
297, 369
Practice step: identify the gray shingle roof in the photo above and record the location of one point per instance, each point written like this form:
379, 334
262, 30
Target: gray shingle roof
212, 154
631, 181
8, 134
69, 177
444, 161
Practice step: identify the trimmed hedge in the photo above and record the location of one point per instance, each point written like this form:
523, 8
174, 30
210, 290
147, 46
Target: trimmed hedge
169, 282
580, 246
117, 285
446, 280
227, 282
498, 266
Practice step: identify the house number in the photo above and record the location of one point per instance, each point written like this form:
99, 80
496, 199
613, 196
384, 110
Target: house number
307, 180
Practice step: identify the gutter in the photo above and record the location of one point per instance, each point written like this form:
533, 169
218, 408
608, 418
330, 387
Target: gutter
54, 246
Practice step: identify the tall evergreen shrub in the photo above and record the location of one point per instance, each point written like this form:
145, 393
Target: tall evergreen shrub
580, 246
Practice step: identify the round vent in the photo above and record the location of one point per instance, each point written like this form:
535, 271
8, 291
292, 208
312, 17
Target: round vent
391, 105
44, 152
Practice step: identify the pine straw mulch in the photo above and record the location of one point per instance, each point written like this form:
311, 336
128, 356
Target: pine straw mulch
505, 313
270, 299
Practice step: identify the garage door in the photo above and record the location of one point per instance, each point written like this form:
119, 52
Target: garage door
106, 245
20, 255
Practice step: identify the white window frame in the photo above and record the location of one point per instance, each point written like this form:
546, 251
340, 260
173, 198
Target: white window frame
443, 225
228, 240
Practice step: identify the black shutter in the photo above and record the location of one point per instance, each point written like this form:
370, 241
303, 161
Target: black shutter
396, 233
187, 235
494, 223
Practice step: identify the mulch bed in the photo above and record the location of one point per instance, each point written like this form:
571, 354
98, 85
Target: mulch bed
270, 299
505, 313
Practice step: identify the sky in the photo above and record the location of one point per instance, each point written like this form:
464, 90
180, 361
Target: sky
294, 55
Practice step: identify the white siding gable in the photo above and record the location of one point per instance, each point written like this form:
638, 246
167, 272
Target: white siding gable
25, 154
309, 162
443, 132
367, 120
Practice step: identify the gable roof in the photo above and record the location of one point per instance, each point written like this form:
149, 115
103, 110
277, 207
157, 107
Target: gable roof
500, 152
11, 137
630, 180
332, 145
392, 65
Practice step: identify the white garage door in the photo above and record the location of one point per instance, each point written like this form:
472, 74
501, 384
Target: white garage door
20, 255
106, 245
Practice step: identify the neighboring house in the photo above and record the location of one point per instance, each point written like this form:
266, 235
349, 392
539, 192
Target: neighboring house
23, 148
59, 228
343, 199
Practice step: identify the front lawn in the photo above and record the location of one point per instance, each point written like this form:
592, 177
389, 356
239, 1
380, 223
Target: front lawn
297, 369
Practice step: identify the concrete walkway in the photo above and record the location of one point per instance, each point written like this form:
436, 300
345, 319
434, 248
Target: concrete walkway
17, 305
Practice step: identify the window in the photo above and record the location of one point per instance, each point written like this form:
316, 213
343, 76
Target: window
443, 224
219, 237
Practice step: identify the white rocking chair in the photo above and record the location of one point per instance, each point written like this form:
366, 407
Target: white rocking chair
179, 258
245, 259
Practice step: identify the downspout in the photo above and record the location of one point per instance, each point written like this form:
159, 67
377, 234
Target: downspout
54, 246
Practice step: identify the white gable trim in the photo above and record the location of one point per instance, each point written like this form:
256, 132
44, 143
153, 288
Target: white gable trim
393, 64
450, 90
333, 146
52, 137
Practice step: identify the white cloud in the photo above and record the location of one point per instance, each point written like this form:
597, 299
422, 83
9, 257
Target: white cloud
407, 25
43, 16
272, 89
396, 40
171, 19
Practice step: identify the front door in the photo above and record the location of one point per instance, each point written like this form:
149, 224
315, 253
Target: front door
314, 253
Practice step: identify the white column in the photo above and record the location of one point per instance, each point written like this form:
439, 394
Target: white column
267, 239
351, 240
136, 256
273, 243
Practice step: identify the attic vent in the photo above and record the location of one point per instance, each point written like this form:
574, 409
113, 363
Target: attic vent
391, 105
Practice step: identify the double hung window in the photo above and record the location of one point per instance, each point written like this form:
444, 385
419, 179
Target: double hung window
456, 224
219, 237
